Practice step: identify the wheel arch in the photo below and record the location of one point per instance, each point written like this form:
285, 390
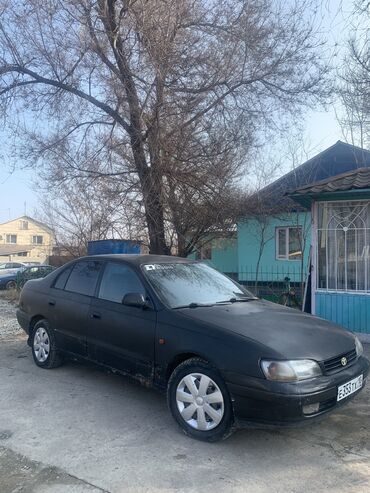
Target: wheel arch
33, 322
180, 358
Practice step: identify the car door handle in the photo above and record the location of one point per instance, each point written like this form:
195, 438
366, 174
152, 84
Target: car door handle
52, 302
95, 315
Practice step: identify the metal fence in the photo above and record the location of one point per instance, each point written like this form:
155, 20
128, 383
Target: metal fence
273, 284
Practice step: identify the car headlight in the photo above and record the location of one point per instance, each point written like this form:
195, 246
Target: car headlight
359, 347
290, 370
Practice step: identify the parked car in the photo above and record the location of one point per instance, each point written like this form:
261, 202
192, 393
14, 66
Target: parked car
8, 280
6, 267
223, 356
32, 272
16, 278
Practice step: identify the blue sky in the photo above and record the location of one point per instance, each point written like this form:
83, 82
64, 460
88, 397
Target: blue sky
321, 129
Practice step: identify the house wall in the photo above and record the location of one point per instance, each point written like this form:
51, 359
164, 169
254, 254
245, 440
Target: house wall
36, 253
351, 310
224, 255
271, 268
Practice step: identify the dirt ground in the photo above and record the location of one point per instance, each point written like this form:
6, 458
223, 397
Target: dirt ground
78, 429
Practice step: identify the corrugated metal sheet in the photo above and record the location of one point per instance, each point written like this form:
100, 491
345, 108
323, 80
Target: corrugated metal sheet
337, 159
101, 247
357, 179
351, 310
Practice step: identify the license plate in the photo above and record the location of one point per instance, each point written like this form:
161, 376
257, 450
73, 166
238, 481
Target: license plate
349, 388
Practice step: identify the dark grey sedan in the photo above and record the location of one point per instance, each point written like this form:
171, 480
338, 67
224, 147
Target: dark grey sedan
223, 356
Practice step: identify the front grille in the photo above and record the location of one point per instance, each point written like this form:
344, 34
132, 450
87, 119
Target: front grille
333, 365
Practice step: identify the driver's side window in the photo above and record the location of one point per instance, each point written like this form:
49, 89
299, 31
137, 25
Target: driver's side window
117, 281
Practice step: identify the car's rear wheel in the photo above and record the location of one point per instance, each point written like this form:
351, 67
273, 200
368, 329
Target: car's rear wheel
44, 351
10, 285
200, 402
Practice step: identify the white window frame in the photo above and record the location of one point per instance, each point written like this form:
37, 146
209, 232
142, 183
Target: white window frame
35, 242
286, 256
11, 242
23, 225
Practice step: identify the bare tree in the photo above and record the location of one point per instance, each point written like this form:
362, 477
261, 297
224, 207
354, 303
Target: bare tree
88, 210
147, 92
354, 89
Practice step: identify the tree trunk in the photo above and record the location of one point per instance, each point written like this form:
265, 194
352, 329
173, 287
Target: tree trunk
151, 187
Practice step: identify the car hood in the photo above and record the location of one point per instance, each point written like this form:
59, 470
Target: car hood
288, 332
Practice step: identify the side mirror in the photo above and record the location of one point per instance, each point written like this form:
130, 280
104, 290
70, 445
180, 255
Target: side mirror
135, 299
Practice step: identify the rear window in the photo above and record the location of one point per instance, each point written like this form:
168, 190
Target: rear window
62, 278
84, 277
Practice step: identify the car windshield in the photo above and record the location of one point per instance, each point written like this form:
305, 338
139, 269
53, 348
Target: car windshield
193, 284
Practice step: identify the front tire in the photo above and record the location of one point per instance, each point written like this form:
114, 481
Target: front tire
44, 351
200, 402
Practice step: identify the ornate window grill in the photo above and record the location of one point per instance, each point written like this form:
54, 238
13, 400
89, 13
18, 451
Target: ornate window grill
343, 246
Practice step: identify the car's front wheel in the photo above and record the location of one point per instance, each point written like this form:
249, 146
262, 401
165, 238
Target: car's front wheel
44, 351
10, 285
200, 402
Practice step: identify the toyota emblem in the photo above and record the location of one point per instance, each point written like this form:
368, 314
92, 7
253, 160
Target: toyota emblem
343, 361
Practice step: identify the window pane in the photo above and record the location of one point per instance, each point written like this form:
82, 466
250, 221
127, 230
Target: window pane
180, 284
331, 259
361, 259
62, 278
295, 246
341, 260
117, 281
321, 260
37, 240
281, 243
84, 277
351, 240
11, 238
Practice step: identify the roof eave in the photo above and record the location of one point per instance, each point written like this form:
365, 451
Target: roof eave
306, 199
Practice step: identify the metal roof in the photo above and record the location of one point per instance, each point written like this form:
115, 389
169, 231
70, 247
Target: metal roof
337, 159
356, 179
12, 249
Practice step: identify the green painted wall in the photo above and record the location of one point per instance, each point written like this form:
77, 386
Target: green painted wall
351, 310
249, 239
224, 255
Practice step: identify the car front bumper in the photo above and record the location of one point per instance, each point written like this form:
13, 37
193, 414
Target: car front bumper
262, 401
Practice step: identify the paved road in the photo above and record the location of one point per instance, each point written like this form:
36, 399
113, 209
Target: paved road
78, 429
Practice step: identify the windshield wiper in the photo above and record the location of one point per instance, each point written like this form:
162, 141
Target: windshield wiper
193, 305
236, 300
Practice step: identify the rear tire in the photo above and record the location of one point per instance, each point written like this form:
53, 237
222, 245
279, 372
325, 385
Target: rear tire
44, 351
10, 285
200, 401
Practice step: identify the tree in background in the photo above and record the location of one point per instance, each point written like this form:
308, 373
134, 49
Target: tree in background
84, 211
167, 97
354, 90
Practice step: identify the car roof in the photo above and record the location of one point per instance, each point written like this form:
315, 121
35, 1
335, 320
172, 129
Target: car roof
141, 259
